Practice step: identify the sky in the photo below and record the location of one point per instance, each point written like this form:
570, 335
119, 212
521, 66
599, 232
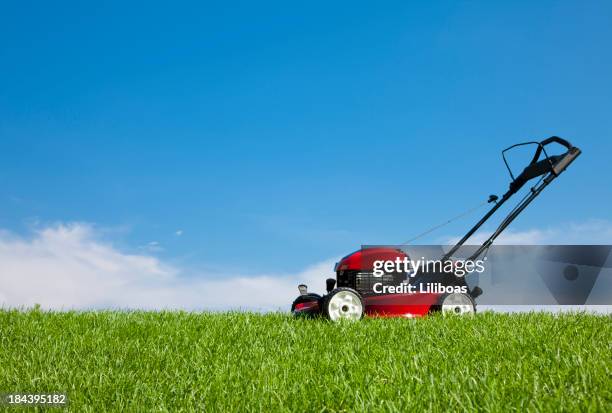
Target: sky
260, 141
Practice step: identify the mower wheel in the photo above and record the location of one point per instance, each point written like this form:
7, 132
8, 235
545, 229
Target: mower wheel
343, 304
457, 303
305, 299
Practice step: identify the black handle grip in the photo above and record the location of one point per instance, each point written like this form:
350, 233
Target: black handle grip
547, 141
569, 157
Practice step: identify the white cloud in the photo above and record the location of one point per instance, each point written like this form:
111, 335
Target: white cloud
67, 266
152, 246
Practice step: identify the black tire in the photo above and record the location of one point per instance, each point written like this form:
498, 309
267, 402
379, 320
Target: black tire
343, 303
305, 299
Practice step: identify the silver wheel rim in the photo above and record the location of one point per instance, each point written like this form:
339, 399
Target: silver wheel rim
458, 303
345, 305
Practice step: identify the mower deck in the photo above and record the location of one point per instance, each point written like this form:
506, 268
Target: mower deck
383, 306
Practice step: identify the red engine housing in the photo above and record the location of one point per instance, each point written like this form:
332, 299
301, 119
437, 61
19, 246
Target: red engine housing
355, 271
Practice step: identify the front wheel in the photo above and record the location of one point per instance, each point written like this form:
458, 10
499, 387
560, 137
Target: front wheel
343, 304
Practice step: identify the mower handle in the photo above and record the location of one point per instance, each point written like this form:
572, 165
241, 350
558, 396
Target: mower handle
555, 163
549, 168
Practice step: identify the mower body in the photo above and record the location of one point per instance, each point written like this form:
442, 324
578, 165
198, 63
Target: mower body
356, 272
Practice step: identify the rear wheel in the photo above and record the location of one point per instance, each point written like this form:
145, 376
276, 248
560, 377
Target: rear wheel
305, 299
343, 304
457, 303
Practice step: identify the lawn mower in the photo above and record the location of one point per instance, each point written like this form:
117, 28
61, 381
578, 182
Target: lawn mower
351, 294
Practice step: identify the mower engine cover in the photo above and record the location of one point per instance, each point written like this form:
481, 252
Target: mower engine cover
356, 270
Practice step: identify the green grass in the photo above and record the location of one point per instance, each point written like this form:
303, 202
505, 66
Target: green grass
177, 361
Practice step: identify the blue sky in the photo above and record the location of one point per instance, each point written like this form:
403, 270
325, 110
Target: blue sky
276, 135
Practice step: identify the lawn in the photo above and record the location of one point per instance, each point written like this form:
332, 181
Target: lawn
180, 361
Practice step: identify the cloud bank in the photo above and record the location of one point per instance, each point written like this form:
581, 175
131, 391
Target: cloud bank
67, 266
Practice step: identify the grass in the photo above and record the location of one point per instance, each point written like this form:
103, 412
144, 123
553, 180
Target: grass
178, 361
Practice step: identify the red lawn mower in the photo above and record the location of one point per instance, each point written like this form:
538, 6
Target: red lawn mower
351, 295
